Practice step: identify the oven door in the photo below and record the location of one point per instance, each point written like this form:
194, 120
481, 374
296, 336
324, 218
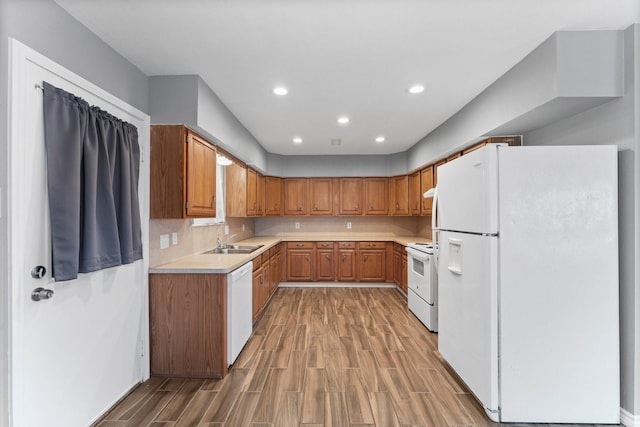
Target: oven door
419, 274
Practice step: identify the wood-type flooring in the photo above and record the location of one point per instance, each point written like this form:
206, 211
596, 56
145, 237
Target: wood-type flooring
318, 357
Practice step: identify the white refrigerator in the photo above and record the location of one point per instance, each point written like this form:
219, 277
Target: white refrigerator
528, 281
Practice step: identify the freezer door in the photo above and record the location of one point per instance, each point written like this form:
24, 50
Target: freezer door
467, 192
467, 307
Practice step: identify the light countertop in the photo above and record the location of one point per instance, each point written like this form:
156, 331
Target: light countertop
226, 263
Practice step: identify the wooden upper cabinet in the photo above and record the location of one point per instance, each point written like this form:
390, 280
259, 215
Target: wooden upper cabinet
295, 196
201, 177
320, 196
236, 190
183, 174
454, 156
252, 192
426, 182
273, 196
376, 196
350, 196
415, 194
399, 195
260, 194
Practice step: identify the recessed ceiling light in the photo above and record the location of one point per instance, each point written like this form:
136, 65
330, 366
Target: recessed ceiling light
297, 140
379, 138
280, 90
416, 89
343, 120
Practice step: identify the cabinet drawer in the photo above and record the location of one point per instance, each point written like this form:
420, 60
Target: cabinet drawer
324, 245
265, 257
373, 245
299, 245
257, 262
347, 245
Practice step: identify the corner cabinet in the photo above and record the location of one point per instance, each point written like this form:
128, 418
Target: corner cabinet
183, 174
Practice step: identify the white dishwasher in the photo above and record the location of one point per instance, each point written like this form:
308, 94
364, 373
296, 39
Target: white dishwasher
239, 309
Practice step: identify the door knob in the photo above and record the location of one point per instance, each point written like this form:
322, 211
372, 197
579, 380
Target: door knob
39, 294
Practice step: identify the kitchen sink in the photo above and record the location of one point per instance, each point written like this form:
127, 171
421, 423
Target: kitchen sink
234, 249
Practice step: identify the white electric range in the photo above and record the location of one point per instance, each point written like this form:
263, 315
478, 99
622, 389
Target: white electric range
423, 284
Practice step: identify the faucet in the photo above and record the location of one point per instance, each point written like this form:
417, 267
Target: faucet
223, 243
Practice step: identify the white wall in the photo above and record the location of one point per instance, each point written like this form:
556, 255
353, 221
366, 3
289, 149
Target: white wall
337, 166
617, 123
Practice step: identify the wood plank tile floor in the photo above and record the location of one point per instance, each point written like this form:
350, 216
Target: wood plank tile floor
318, 357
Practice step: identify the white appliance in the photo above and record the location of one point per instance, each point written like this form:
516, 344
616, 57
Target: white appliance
528, 281
239, 310
422, 297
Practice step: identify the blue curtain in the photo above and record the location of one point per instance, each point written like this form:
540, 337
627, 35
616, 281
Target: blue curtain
93, 165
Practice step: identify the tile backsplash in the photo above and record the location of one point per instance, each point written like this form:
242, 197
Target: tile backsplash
192, 240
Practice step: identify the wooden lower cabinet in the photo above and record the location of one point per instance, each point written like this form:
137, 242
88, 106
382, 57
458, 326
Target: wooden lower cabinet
346, 260
372, 262
325, 265
300, 261
400, 273
340, 261
267, 274
188, 322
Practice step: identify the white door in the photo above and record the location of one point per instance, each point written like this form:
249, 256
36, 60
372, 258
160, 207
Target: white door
75, 354
468, 312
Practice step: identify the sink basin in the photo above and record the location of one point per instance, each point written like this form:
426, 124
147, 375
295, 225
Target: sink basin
234, 249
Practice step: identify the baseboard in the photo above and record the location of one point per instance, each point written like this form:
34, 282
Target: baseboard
336, 285
628, 419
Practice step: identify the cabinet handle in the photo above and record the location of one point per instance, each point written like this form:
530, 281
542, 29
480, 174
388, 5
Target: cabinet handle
299, 208
327, 256
306, 257
315, 208
275, 208
397, 206
370, 207
366, 257
299, 245
371, 245
344, 258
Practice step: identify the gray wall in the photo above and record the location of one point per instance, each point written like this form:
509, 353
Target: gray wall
336, 166
45, 27
616, 123
188, 100
568, 73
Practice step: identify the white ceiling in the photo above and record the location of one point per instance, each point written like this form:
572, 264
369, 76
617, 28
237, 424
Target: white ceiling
352, 57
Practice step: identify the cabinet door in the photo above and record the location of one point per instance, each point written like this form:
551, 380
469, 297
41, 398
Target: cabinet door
274, 273
235, 177
258, 280
350, 196
372, 265
426, 178
347, 265
376, 196
397, 267
252, 192
201, 177
415, 194
300, 265
295, 196
321, 192
260, 195
266, 283
399, 192
273, 196
404, 281
325, 266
